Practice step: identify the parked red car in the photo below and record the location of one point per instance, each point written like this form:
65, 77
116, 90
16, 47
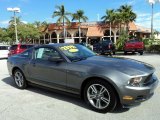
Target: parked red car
134, 45
18, 48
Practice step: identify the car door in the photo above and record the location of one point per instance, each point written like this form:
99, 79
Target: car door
45, 72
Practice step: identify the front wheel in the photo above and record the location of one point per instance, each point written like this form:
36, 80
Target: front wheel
19, 79
125, 52
100, 96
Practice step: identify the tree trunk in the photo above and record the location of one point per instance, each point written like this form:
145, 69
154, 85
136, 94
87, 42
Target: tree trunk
64, 35
79, 31
110, 30
127, 28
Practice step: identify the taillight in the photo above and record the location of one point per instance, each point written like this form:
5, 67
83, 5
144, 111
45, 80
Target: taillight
109, 46
18, 50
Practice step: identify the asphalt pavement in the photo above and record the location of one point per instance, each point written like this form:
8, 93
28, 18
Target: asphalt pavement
39, 104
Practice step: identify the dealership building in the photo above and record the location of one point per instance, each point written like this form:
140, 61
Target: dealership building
91, 32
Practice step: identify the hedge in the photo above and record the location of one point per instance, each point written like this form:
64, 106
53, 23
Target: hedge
152, 48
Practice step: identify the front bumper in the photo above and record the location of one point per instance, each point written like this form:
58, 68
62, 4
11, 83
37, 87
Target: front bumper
138, 94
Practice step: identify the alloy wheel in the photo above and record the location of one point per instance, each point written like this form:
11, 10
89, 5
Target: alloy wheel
98, 96
19, 79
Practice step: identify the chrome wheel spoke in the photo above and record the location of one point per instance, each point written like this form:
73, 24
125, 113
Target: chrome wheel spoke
102, 90
92, 97
20, 83
105, 100
98, 103
94, 89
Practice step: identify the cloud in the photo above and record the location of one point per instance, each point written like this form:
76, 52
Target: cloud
5, 22
157, 15
144, 19
49, 20
25, 22
132, 2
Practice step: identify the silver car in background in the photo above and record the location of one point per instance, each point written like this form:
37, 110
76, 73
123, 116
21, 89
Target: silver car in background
4, 50
103, 82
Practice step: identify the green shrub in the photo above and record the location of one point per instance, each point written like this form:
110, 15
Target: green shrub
121, 40
152, 48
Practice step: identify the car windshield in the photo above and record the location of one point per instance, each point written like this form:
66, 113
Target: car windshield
106, 41
76, 52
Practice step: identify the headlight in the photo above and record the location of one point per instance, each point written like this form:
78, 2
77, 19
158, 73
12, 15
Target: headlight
135, 82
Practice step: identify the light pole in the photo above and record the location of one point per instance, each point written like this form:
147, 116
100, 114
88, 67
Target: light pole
152, 2
15, 10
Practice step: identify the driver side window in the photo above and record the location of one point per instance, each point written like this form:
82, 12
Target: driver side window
45, 53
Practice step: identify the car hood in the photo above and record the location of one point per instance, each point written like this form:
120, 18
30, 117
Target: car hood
125, 65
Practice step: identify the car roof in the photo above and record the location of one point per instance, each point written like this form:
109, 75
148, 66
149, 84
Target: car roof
22, 44
58, 44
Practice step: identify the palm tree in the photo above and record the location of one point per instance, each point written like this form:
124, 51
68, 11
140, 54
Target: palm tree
45, 24
79, 15
127, 15
109, 17
40, 25
118, 18
37, 24
18, 21
62, 14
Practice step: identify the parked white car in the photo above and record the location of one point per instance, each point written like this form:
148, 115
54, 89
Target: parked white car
4, 50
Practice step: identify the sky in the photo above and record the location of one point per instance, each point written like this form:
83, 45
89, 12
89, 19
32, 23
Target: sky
42, 10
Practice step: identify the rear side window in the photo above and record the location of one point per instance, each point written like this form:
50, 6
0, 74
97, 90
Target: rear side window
45, 53
132, 41
27, 53
106, 41
13, 47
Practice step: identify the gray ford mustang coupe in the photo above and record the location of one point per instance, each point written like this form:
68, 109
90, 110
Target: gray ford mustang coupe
103, 82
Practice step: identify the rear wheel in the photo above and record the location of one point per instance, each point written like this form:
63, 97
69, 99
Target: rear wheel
100, 96
103, 53
19, 79
125, 53
141, 53
110, 53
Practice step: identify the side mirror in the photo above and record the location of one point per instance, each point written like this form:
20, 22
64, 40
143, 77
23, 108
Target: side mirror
55, 59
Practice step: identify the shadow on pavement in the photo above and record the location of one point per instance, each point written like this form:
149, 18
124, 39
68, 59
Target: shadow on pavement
57, 95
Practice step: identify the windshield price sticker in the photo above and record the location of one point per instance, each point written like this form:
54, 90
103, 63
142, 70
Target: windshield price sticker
69, 48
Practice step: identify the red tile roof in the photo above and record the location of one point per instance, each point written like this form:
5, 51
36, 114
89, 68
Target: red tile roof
94, 31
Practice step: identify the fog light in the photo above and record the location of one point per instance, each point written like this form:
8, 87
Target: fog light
127, 97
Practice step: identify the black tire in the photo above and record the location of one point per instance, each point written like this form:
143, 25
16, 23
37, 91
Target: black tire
110, 53
125, 53
99, 100
19, 79
114, 52
141, 53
